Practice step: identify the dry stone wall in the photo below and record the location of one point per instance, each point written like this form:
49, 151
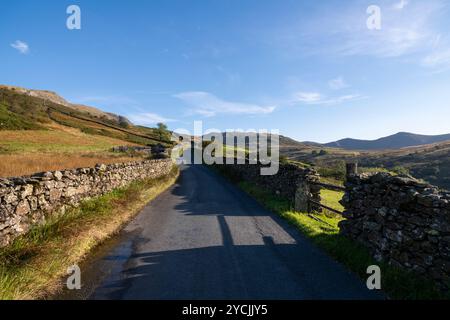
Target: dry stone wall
291, 182
402, 221
26, 201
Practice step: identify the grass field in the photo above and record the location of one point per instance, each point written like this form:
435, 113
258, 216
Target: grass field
32, 267
56, 139
26, 164
31, 151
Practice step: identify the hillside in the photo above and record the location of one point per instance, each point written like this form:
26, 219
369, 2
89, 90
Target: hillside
429, 162
396, 141
285, 142
41, 131
55, 98
22, 109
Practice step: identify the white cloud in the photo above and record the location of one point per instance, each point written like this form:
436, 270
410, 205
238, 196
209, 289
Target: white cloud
307, 97
401, 5
21, 46
338, 83
314, 98
148, 118
209, 105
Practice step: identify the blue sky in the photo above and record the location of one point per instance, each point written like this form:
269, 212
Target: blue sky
311, 69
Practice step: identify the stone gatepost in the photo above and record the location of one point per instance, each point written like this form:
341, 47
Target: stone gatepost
302, 196
308, 189
351, 169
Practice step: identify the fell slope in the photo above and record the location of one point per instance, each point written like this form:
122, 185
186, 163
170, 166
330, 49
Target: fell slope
57, 99
31, 110
40, 131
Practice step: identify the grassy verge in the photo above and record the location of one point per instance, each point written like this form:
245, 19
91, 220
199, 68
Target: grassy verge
396, 283
33, 265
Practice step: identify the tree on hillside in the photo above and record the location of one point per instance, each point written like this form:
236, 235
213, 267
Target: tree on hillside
123, 122
162, 131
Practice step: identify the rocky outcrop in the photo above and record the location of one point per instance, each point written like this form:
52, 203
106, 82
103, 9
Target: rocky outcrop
402, 221
26, 201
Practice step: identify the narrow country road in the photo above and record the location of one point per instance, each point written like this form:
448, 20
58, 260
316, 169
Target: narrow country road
205, 239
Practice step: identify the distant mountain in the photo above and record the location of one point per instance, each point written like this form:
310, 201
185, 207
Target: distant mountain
289, 142
284, 142
396, 141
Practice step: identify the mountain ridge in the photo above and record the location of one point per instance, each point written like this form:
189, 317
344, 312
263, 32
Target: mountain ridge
395, 141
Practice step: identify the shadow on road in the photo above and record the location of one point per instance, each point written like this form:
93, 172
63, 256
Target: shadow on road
206, 239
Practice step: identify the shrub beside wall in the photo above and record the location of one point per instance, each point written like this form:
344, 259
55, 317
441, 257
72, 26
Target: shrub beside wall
26, 201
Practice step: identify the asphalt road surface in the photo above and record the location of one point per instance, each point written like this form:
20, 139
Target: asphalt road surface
205, 239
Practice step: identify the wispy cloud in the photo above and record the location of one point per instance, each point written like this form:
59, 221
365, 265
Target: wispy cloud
401, 4
406, 29
409, 28
315, 98
307, 97
209, 105
438, 59
148, 118
338, 83
21, 46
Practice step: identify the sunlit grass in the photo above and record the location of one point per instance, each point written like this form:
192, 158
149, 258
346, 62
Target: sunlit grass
54, 141
331, 199
13, 165
58, 148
